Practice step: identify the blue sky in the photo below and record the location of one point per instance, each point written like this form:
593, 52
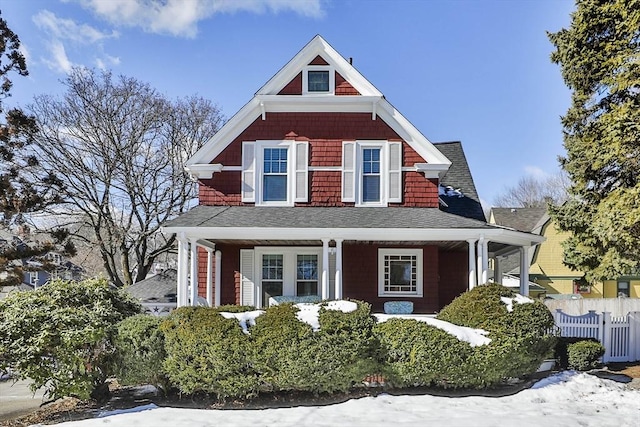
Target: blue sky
477, 71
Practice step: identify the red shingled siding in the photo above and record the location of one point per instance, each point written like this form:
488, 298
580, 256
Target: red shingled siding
325, 133
318, 60
360, 278
343, 87
229, 276
454, 275
294, 87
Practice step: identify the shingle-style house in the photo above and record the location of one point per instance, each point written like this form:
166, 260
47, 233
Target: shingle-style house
319, 186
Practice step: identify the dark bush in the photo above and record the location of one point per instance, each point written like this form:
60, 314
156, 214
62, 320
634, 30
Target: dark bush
521, 338
479, 308
208, 353
60, 336
289, 355
140, 352
418, 354
584, 355
561, 349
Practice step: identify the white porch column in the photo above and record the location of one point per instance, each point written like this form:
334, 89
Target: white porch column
484, 276
209, 278
338, 280
183, 271
325, 269
472, 263
524, 271
218, 278
479, 261
497, 270
194, 272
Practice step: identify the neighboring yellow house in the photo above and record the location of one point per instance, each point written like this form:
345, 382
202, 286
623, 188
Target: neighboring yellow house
547, 268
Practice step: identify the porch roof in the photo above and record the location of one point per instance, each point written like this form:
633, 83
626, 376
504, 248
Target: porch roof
361, 223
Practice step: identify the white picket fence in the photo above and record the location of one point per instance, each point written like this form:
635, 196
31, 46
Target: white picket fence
620, 336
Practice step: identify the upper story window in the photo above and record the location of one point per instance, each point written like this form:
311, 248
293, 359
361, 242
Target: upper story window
371, 175
275, 173
274, 176
318, 80
372, 172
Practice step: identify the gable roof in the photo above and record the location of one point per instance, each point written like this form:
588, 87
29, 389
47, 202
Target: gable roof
459, 177
267, 100
158, 288
521, 219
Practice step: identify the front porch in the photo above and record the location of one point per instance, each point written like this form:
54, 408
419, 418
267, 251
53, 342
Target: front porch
225, 258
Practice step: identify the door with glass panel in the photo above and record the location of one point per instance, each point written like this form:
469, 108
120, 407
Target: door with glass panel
289, 272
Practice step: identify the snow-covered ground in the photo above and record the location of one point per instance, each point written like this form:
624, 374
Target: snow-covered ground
564, 399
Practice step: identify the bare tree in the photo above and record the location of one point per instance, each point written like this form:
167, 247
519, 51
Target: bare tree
531, 192
121, 147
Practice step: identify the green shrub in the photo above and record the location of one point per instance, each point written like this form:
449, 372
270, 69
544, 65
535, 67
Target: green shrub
521, 339
584, 355
140, 351
61, 335
479, 308
208, 353
418, 354
230, 308
289, 355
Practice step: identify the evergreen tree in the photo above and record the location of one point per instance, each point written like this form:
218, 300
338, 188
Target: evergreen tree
24, 187
599, 57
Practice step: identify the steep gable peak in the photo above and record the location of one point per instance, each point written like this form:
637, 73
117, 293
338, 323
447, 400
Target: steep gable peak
318, 53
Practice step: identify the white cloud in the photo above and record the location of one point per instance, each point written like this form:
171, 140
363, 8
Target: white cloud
106, 61
67, 29
181, 17
59, 61
61, 30
535, 172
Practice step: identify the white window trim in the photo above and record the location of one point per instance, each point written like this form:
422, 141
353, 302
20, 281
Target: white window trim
384, 171
305, 79
259, 147
417, 252
289, 263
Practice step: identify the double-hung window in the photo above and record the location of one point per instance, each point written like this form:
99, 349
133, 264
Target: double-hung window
289, 271
275, 172
371, 175
372, 172
400, 272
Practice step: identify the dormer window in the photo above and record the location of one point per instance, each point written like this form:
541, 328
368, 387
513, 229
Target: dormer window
318, 80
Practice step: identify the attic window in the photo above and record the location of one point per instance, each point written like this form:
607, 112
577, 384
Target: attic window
318, 79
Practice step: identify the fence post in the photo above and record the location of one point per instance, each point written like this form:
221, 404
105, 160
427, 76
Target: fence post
605, 335
634, 335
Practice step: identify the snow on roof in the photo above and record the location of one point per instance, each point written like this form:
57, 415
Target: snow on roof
475, 337
449, 191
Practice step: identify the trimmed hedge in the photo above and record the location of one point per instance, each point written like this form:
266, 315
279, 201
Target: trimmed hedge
521, 339
418, 354
289, 355
140, 351
208, 353
583, 355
